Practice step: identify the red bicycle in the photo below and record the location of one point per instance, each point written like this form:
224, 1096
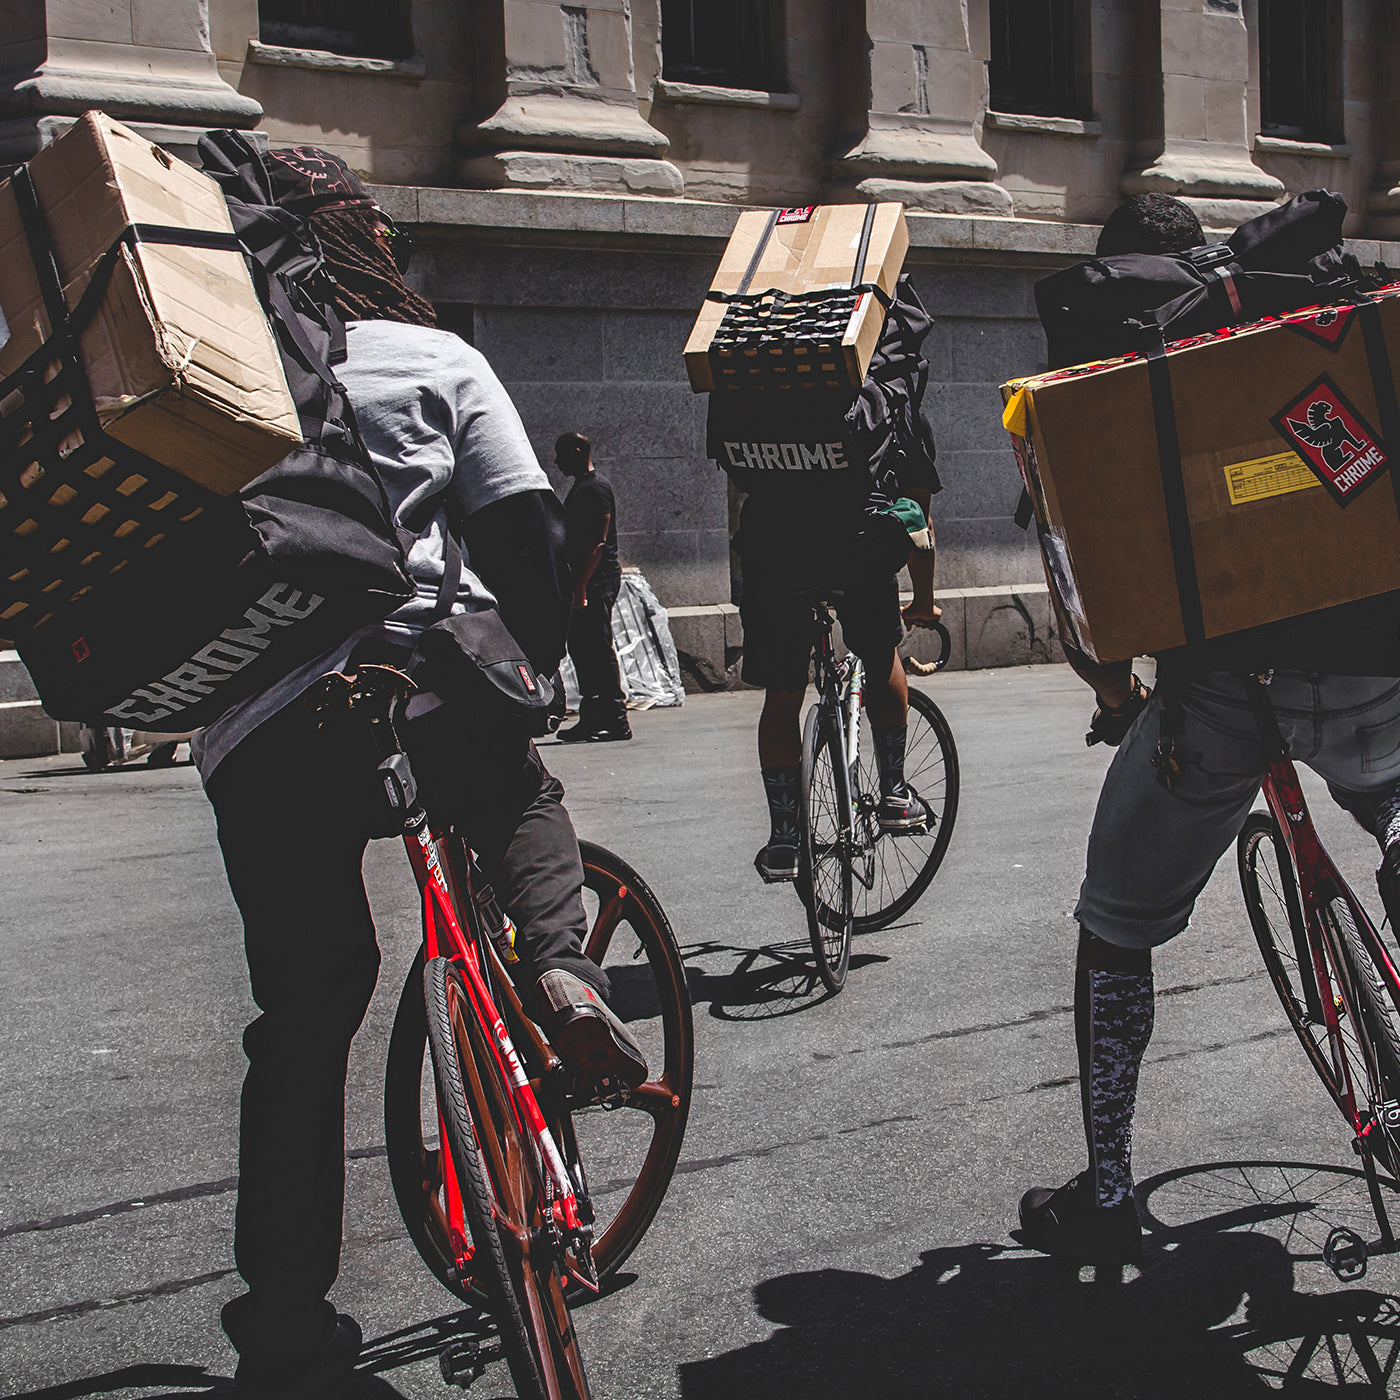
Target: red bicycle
487, 1132
1336, 978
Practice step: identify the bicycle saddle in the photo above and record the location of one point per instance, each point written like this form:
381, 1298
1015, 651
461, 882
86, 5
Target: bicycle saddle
372, 688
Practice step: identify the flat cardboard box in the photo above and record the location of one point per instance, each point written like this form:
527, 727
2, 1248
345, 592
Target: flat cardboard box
807, 250
1287, 481
180, 358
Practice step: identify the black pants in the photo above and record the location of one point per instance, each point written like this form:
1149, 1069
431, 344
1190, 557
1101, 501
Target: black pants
602, 701
295, 809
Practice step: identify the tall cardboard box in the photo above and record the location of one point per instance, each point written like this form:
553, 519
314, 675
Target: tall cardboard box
1287, 481
179, 355
821, 248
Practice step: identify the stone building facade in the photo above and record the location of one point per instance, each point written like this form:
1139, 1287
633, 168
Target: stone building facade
570, 172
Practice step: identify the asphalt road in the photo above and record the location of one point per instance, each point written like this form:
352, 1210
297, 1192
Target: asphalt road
838, 1225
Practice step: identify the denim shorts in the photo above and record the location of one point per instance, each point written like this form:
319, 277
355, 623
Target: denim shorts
1151, 851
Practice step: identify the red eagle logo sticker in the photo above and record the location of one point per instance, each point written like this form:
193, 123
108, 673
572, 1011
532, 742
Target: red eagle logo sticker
1333, 439
1327, 326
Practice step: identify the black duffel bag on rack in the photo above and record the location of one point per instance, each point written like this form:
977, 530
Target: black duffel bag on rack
249, 586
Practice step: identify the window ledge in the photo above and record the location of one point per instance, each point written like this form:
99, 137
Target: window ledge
1048, 126
322, 61
1287, 146
709, 96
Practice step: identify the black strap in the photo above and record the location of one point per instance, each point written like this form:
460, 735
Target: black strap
1025, 510
1188, 587
758, 252
858, 272
782, 298
1265, 720
1383, 383
36, 232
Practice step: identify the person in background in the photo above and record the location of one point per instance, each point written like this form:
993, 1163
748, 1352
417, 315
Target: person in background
591, 546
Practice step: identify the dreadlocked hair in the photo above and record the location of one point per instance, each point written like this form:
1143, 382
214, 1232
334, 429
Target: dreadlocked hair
370, 286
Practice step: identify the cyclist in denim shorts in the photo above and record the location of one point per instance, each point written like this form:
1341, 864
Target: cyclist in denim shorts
1153, 847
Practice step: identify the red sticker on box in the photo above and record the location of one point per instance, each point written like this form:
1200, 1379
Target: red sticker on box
81, 650
1327, 327
797, 216
1333, 439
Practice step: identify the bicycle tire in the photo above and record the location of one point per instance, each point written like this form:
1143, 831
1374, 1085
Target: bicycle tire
892, 872
444, 1000
1272, 902
625, 905
632, 1173
1379, 1025
824, 865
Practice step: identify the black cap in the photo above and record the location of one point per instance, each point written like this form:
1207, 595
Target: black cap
306, 179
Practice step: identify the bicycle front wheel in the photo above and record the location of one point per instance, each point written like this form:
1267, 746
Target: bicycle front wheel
824, 874
892, 872
533, 1309
458, 1076
1378, 1029
1276, 915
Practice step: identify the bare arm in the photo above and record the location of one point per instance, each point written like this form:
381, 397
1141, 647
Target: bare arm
921, 570
590, 563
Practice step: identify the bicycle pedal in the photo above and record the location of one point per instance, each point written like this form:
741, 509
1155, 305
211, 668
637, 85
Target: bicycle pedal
463, 1361
1345, 1253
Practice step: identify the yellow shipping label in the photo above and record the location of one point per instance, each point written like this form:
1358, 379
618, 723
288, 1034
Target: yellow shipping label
1262, 477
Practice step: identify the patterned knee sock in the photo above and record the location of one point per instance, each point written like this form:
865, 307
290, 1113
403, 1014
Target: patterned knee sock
780, 786
1388, 827
1113, 1014
889, 754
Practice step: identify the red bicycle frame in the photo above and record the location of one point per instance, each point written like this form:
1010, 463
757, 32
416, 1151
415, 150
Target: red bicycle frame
444, 937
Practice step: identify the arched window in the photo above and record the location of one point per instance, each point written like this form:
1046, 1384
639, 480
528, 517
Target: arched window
1034, 62
1298, 51
721, 43
358, 28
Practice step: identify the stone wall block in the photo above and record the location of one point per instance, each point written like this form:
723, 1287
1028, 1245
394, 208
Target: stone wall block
993, 351
1184, 100
645, 346
976, 485
100, 21
1009, 630
610, 47
974, 291
919, 22
924, 645
966, 417
655, 494
535, 38
1204, 46
700, 647
161, 25
531, 344
986, 552
1225, 112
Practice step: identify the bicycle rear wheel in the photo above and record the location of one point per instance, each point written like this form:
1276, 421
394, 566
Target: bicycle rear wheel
1275, 914
824, 874
458, 1077
892, 872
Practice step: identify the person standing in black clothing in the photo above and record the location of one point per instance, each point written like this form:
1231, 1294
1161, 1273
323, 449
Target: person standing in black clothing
591, 547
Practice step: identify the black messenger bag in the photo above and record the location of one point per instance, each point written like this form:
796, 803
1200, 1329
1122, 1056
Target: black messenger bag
248, 587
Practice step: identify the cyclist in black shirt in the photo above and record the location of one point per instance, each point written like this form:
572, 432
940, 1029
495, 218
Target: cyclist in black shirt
591, 546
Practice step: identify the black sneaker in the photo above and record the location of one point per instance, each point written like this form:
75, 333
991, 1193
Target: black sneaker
590, 1039
595, 733
308, 1379
1068, 1224
776, 862
904, 813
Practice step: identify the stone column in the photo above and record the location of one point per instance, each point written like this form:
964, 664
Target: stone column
923, 67
148, 62
1192, 85
567, 117
1384, 205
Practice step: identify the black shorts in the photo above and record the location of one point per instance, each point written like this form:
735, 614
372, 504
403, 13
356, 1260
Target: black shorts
780, 565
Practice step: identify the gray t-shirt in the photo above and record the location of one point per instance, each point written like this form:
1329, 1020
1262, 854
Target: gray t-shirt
439, 426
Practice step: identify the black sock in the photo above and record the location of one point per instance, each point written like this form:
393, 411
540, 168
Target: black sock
780, 786
1113, 1014
889, 754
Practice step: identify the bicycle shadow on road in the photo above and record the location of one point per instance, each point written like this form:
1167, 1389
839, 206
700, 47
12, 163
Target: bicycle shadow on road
1218, 1311
775, 979
174, 1382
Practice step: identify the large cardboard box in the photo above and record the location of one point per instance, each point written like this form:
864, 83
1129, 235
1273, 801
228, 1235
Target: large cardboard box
796, 251
1287, 482
180, 358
